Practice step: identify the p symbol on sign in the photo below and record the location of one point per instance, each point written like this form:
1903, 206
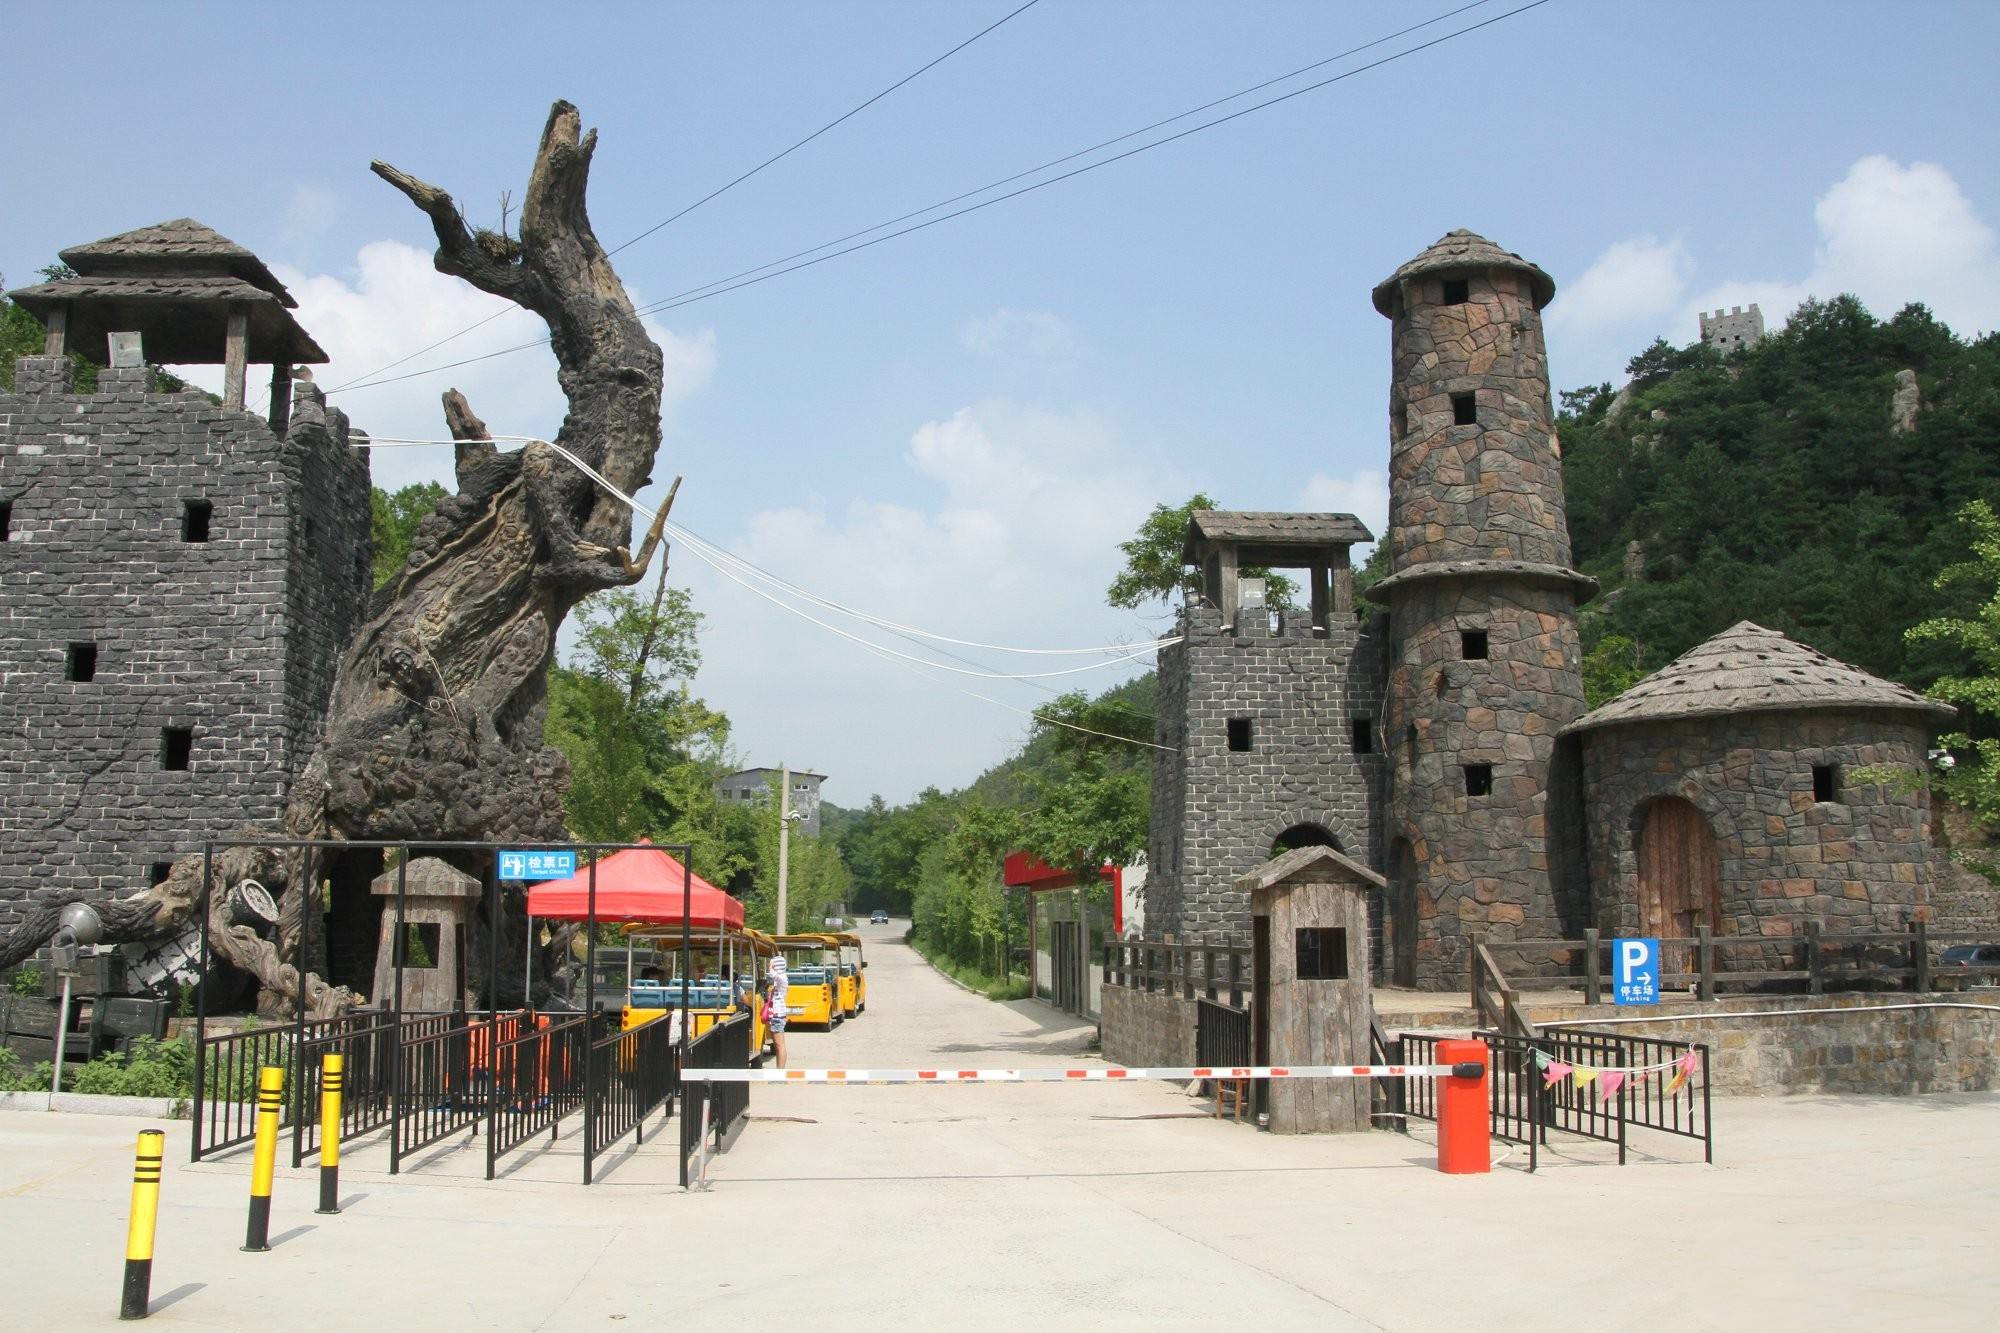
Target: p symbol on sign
1631, 957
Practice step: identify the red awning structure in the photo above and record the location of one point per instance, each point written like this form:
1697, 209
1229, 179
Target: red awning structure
637, 884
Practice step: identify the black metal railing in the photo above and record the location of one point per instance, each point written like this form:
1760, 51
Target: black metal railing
438, 1089
538, 1079
717, 1106
629, 1073
1221, 1034
1526, 1104
364, 1041
225, 1083
1386, 1095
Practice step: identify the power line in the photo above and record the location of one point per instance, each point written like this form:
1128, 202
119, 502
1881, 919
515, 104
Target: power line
723, 286
712, 194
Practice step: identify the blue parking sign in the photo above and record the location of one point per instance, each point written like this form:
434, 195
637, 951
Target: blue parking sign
537, 865
1635, 971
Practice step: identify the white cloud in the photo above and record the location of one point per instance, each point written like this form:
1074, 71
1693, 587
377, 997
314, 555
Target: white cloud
393, 304
1890, 234
1632, 281
1364, 494
310, 212
1030, 338
1013, 543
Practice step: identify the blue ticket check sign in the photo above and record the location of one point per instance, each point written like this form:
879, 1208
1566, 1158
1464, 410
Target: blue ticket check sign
537, 865
1635, 971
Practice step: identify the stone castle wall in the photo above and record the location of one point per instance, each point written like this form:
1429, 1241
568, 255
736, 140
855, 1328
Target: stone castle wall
235, 638
1857, 863
1147, 1029
1218, 810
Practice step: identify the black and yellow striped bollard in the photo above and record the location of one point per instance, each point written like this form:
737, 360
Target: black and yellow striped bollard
270, 1101
146, 1163
329, 1132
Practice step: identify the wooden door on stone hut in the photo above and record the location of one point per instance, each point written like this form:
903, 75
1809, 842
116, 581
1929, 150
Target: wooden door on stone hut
1678, 878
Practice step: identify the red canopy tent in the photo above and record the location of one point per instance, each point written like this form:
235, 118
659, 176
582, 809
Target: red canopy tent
637, 884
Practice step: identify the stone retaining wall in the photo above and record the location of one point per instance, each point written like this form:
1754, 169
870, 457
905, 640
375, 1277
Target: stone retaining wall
1144, 1030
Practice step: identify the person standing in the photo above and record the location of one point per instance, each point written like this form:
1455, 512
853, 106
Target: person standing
777, 1006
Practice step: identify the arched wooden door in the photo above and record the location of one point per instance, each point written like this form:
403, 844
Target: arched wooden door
1679, 875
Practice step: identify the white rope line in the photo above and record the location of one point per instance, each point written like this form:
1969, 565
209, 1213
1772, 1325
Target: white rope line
1771, 1013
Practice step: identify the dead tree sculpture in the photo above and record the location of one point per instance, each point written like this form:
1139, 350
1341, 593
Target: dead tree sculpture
434, 729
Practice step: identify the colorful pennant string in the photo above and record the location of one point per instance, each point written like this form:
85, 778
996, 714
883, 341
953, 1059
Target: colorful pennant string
1610, 1079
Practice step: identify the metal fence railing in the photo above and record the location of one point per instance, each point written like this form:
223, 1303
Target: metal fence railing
364, 1041
538, 1079
629, 1073
710, 1110
437, 1092
225, 1083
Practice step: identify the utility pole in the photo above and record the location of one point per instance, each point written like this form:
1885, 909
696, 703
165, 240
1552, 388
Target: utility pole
784, 839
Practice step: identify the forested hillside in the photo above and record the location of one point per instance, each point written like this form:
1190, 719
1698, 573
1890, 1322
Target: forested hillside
1786, 483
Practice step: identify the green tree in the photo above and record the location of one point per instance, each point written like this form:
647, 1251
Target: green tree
393, 520
1153, 571
1610, 668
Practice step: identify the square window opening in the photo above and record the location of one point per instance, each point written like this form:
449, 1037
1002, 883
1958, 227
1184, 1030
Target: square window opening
1362, 732
1239, 733
195, 516
6, 520
1826, 782
1322, 953
418, 944
1472, 645
1457, 291
1464, 410
158, 873
176, 748
80, 662
1479, 779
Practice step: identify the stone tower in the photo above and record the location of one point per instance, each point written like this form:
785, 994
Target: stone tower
1267, 720
1484, 826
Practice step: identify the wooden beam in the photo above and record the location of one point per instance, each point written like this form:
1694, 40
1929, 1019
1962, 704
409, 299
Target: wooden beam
236, 354
281, 397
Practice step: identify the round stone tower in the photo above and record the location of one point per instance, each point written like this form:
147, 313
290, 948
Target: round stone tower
1484, 819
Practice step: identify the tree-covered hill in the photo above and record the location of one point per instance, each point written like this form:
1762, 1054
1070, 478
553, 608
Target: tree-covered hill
1783, 483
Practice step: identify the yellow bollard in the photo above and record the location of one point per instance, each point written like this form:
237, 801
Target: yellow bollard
329, 1132
146, 1164
270, 1101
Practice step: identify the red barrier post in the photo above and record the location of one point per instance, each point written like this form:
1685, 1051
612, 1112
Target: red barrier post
1465, 1125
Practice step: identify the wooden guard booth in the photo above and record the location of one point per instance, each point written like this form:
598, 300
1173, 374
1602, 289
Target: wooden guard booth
1311, 1001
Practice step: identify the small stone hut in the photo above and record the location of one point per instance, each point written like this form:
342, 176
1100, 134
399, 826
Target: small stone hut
1723, 793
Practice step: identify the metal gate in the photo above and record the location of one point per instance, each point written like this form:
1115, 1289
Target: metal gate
1066, 955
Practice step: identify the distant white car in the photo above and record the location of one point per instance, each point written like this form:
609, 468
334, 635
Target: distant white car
879, 918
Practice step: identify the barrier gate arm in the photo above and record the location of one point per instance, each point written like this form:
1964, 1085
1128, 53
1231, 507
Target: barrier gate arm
1462, 1069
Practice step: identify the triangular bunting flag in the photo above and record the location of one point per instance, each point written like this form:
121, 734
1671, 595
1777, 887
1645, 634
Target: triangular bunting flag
1583, 1077
1677, 1082
1690, 1062
1555, 1073
1608, 1085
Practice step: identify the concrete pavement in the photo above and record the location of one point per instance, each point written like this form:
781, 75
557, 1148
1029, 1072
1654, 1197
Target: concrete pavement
1044, 1205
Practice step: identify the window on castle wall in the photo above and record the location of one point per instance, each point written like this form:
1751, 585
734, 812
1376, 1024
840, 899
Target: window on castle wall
1361, 732
1457, 291
176, 748
1826, 782
159, 871
1239, 733
80, 662
1464, 410
6, 520
195, 516
1321, 953
1479, 779
1472, 645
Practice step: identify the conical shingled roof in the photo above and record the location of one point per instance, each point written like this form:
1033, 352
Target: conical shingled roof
178, 246
1460, 251
1750, 669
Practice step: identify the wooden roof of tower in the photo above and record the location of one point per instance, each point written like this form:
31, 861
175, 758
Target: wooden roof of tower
1266, 536
1463, 251
1750, 669
174, 284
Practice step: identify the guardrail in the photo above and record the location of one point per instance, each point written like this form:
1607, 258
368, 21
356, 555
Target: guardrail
362, 1039
1211, 971
435, 1092
710, 1109
629, 1074
1706, 962
225, 1083
538, 1079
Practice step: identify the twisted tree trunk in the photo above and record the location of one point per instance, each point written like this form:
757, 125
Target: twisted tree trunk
434, 730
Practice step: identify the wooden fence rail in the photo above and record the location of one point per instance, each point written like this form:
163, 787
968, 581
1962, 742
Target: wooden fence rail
1218, 972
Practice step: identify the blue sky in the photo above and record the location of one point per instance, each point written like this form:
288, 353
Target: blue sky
954, 429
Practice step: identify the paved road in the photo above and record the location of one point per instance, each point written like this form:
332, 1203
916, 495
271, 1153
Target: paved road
1047, 1205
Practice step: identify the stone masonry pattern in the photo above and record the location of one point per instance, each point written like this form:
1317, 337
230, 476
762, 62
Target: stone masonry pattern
236, 638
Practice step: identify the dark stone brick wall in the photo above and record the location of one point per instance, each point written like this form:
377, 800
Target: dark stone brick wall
1859, 863
237, 637
1217, 811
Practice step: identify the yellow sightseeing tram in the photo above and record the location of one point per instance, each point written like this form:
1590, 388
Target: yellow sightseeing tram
812, 965
724, 970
